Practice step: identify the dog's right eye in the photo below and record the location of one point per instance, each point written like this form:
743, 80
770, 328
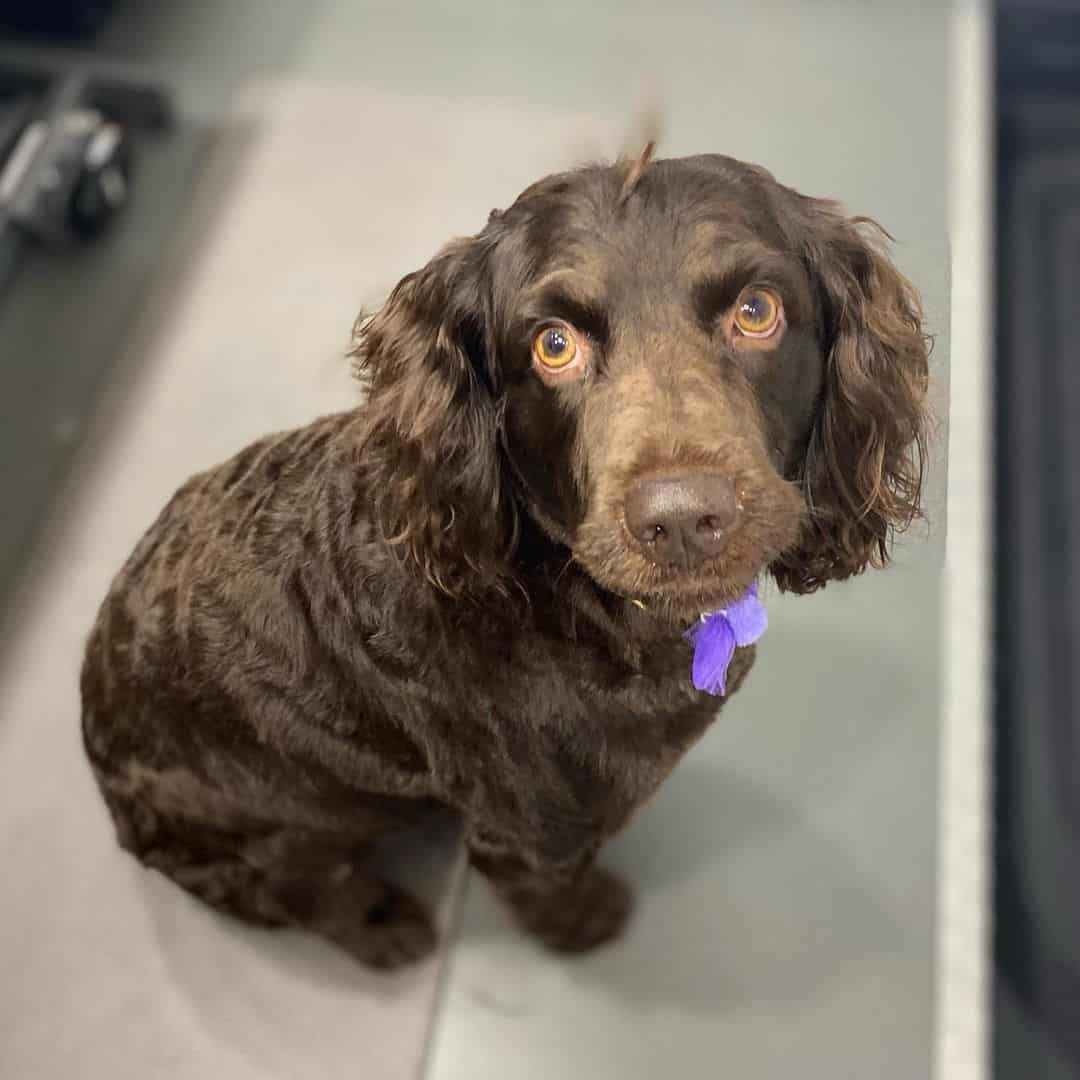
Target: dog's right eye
555, 347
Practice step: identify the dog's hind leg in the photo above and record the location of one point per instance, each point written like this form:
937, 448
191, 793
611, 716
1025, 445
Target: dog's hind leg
313, 879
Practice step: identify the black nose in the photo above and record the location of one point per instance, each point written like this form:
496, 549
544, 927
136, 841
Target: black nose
681, 520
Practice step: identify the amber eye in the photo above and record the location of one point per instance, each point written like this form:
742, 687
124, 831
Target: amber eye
555, 347
757, 311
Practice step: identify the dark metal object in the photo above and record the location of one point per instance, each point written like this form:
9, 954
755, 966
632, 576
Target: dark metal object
68, 168
70, 184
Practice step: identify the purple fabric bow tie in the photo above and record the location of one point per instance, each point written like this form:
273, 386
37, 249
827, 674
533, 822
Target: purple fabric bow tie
715, 637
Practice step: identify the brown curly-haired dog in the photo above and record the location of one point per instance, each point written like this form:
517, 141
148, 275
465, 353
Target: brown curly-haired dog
633, 393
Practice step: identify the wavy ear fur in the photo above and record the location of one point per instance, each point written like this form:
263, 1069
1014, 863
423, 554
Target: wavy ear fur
433, 418
863, 470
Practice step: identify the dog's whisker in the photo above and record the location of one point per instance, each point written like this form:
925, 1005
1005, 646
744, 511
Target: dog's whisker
562, 571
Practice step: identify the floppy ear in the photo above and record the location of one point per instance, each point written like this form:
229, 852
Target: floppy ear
432, 419
863, 471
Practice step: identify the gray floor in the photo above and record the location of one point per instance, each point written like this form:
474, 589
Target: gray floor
786, 871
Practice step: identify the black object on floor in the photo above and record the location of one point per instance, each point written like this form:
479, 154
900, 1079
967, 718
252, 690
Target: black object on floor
1037, 558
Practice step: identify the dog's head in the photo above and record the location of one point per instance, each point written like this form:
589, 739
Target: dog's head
687, 376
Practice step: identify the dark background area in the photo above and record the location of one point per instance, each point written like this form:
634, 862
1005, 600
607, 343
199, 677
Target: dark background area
66, 305
67, 309
1037, 602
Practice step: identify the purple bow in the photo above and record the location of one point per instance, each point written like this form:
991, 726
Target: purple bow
715, 637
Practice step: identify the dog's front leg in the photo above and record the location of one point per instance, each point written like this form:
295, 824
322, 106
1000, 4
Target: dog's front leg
569, 903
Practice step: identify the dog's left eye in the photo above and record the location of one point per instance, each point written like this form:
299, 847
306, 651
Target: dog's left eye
555, 347
757, 312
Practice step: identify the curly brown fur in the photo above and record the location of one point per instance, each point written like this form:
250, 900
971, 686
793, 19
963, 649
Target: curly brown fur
432, 604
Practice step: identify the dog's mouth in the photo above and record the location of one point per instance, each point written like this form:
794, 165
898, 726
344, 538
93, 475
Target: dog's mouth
689, 600
685, 581
679, 595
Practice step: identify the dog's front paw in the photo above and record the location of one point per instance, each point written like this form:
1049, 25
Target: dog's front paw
386, 933
580, 917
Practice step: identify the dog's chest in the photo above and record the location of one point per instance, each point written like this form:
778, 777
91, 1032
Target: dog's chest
575, 741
